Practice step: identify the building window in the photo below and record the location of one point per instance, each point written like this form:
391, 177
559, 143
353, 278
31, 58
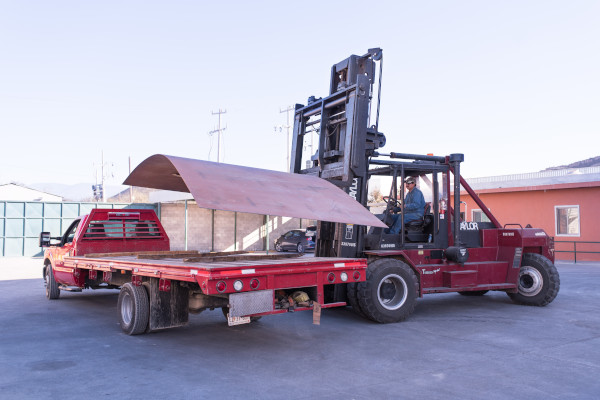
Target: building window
567, 220
479, 216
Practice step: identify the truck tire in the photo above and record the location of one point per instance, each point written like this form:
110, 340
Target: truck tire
390, 292
52, 290
134, 309
352, 294
474, 293
539, 281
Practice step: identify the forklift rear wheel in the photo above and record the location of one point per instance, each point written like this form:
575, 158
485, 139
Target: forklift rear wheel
134, 309
389, 294
538, 281
52, 290
474, 293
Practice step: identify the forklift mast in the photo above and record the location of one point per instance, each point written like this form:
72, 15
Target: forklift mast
340, 122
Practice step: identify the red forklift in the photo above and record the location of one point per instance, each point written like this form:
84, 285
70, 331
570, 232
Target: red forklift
439, 252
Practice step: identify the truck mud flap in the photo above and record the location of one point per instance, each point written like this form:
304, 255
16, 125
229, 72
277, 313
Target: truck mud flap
168, 309
249, 303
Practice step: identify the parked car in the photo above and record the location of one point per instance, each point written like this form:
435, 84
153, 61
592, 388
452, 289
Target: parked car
296, 239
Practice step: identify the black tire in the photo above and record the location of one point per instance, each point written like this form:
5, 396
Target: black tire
390, 292
300, 248
52, 290
352, 294
539, 282
474, 293
134, 309
278, 247
226, 310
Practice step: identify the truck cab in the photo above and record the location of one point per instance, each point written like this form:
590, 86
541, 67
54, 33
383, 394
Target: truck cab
100, 231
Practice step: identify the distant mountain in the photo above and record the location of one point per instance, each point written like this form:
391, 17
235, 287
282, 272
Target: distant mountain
76, 192
590, 162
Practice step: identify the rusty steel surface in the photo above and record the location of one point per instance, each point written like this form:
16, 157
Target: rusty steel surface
251, 190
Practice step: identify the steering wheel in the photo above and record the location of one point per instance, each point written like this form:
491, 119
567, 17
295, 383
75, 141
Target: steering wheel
388, 199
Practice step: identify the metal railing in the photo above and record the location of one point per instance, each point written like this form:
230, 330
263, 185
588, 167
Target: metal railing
575, 250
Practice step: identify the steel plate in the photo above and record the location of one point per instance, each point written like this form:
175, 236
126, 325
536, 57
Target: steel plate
252, 190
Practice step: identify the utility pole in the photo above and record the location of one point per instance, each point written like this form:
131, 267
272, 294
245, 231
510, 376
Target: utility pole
287, 126
218, 131
130, 187
99, 192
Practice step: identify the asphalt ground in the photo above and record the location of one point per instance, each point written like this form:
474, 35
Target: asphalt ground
452, 347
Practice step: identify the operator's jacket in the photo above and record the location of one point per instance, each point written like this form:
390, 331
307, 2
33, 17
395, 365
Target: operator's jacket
414, 206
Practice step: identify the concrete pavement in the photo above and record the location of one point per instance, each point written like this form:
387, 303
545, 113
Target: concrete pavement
451, 347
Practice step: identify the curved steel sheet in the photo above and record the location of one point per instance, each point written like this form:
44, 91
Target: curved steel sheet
251, 190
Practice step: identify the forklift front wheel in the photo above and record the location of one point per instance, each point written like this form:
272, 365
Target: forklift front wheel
538, 281
389, 294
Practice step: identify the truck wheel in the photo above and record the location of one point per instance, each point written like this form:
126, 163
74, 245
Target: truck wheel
538, 281
300, 248
351, 292
52, 290
389, 294
226, 310
473, 293
134, 309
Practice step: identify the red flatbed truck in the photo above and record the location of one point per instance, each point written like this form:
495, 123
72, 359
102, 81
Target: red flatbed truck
129, 249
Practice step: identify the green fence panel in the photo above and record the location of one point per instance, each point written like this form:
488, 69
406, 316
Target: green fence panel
13, 247
70, 210
22, 222
14, 227
33, 227
15, 210
52, 210
34, 210
53, 226
32, 248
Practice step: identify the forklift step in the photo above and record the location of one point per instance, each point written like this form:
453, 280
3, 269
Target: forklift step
493, 286
462, 278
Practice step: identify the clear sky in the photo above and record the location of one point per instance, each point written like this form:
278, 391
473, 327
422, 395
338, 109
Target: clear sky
514, 85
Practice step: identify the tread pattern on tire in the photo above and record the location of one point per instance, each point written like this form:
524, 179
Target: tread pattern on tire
551, 281
352, 293
367, 291
141, 309
52, 290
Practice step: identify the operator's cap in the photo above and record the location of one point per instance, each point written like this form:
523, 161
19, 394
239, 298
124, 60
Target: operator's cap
410, 179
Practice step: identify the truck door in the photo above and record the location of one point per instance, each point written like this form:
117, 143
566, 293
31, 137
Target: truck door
63, 274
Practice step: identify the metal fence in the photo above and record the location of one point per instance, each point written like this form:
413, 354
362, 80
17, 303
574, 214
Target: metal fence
575, 250
21, 222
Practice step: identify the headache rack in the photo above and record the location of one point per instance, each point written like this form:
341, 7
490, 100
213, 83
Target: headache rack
122, 226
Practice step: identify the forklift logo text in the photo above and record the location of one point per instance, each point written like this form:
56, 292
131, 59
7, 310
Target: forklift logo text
435, 271
469, 226
354, 188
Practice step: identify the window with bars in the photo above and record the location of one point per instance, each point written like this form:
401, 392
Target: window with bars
479, 216
567, 220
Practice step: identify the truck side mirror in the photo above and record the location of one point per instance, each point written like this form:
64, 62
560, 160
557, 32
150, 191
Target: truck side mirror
45, 239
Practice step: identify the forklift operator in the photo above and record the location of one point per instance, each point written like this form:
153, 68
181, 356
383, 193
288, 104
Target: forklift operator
414, 206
